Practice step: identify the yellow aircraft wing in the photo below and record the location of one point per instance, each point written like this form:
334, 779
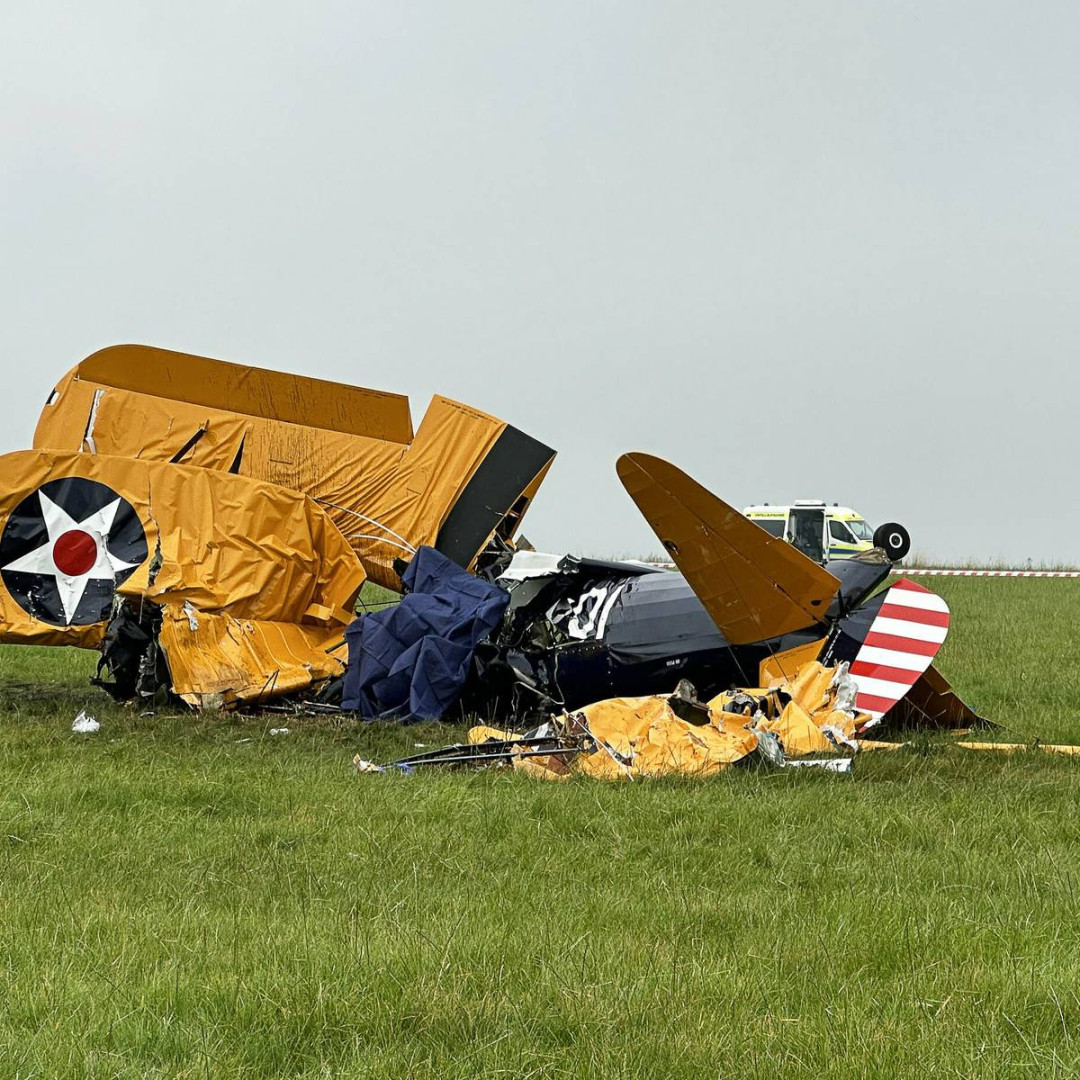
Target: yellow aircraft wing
462, 478
254, 583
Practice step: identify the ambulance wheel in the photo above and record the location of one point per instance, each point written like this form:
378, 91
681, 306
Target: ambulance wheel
893, 539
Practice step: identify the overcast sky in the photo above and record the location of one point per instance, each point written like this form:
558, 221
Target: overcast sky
801, 250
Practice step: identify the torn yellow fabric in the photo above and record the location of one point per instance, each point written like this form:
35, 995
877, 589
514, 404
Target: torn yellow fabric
350, 449
797, 732
547, 767
255, 582
810, 687
222, 543
219, 660
810, 717
644, 737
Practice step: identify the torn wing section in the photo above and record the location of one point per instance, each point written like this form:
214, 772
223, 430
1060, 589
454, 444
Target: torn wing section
250, 585
753, 585
495, 497
463, 478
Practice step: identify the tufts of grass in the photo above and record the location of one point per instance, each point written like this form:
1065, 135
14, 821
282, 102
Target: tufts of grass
375, 597
189, 896
1011, 652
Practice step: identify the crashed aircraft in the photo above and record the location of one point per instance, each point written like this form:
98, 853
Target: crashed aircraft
745, 609
209, 526
814, 658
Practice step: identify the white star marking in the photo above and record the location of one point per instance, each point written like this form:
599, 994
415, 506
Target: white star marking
58, 522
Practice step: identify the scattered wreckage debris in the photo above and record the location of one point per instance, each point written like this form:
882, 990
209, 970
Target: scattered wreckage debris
85, 724
1069, 750
491, 749
676, 734
208, 526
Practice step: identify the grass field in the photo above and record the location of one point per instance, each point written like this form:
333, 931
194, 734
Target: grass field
192, 897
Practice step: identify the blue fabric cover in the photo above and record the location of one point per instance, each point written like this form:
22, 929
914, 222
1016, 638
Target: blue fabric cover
410, 661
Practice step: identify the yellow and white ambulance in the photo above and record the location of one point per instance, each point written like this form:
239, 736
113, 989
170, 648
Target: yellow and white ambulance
823, 532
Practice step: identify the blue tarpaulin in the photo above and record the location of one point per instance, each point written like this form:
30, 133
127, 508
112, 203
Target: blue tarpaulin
410, 661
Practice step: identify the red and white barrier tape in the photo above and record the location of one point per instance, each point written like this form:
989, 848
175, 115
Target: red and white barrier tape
914, 572
987, 573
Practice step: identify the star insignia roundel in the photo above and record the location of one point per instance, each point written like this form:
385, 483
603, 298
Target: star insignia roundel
65, 549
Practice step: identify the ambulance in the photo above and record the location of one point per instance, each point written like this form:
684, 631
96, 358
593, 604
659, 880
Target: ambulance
823, 532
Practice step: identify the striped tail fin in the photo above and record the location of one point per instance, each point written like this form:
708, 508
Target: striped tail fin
908, 631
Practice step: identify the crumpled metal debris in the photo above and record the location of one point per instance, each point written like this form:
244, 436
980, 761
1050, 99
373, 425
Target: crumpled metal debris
744, 607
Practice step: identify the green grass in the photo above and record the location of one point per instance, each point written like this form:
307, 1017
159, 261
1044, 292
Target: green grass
188, 896
375, 597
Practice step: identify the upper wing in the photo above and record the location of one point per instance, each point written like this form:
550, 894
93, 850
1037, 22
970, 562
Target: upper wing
461, 478
753, 585
235, 388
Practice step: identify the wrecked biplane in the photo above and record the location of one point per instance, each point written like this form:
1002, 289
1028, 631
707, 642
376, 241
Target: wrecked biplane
209, 525
745, 610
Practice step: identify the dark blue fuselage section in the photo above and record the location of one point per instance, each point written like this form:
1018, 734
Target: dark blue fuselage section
658, 632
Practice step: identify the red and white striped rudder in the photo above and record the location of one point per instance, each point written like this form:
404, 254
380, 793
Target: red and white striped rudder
904, 638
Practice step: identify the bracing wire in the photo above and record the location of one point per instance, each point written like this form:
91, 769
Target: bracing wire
403, 543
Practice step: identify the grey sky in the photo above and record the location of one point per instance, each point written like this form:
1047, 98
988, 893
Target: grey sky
801, 250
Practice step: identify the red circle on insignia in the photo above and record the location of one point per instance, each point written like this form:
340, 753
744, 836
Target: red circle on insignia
74, 553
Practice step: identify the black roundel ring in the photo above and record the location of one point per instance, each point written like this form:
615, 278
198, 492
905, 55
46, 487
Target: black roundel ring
67, 547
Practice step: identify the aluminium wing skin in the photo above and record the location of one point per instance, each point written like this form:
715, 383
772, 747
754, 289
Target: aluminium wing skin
753, 585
